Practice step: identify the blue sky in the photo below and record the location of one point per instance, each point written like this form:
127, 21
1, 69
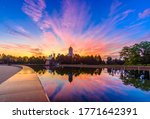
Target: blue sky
42, 27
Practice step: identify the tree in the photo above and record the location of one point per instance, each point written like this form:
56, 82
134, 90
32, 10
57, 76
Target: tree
145, 52
136, 54
109, 60
125, 54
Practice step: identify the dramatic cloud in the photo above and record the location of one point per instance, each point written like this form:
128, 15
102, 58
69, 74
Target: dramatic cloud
144, 14
114, 7
21, 29
18, 31
34, 8
23, 49
73, 26
36, 51
69, 29
15, 46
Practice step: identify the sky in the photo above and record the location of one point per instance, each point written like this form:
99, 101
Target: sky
91, 27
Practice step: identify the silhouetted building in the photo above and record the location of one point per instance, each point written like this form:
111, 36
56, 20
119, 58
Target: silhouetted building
70, 52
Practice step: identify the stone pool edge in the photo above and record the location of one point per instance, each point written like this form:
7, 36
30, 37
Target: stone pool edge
21, 66
24, 82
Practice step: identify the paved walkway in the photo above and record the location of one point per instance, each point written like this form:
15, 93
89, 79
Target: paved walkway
7, 71
24, 86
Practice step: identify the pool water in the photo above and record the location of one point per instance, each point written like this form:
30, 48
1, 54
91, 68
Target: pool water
95, 85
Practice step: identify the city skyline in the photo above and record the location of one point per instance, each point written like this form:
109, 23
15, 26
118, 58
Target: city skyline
97, 27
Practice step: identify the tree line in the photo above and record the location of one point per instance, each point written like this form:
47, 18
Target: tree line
77, 59
9, 59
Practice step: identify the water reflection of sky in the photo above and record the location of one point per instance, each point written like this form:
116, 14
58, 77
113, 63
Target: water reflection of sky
87, 87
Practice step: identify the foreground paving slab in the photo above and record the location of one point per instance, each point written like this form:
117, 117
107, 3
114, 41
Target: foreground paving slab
24, 86
7, 72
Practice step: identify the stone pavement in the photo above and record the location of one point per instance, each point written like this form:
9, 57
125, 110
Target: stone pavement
24, 86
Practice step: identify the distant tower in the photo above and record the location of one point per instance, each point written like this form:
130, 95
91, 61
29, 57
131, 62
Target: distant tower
70, 52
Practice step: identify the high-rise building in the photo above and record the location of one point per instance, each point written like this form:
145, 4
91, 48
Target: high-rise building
70, 52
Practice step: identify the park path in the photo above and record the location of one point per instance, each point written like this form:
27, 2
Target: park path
7, 72
24, 86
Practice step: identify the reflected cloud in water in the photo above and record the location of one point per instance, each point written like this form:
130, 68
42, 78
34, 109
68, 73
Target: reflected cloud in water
85, 84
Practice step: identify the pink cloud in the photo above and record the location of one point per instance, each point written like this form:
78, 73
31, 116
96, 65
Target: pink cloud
18, 31
21, 49
94, 40
61, 31
120, 17
74, 16
34, 8
45, 23
21, 29
114, 7
145, 13
36, 51
15, 46
50, 39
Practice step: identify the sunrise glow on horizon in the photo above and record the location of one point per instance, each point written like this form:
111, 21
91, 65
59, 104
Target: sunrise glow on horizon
91, 27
